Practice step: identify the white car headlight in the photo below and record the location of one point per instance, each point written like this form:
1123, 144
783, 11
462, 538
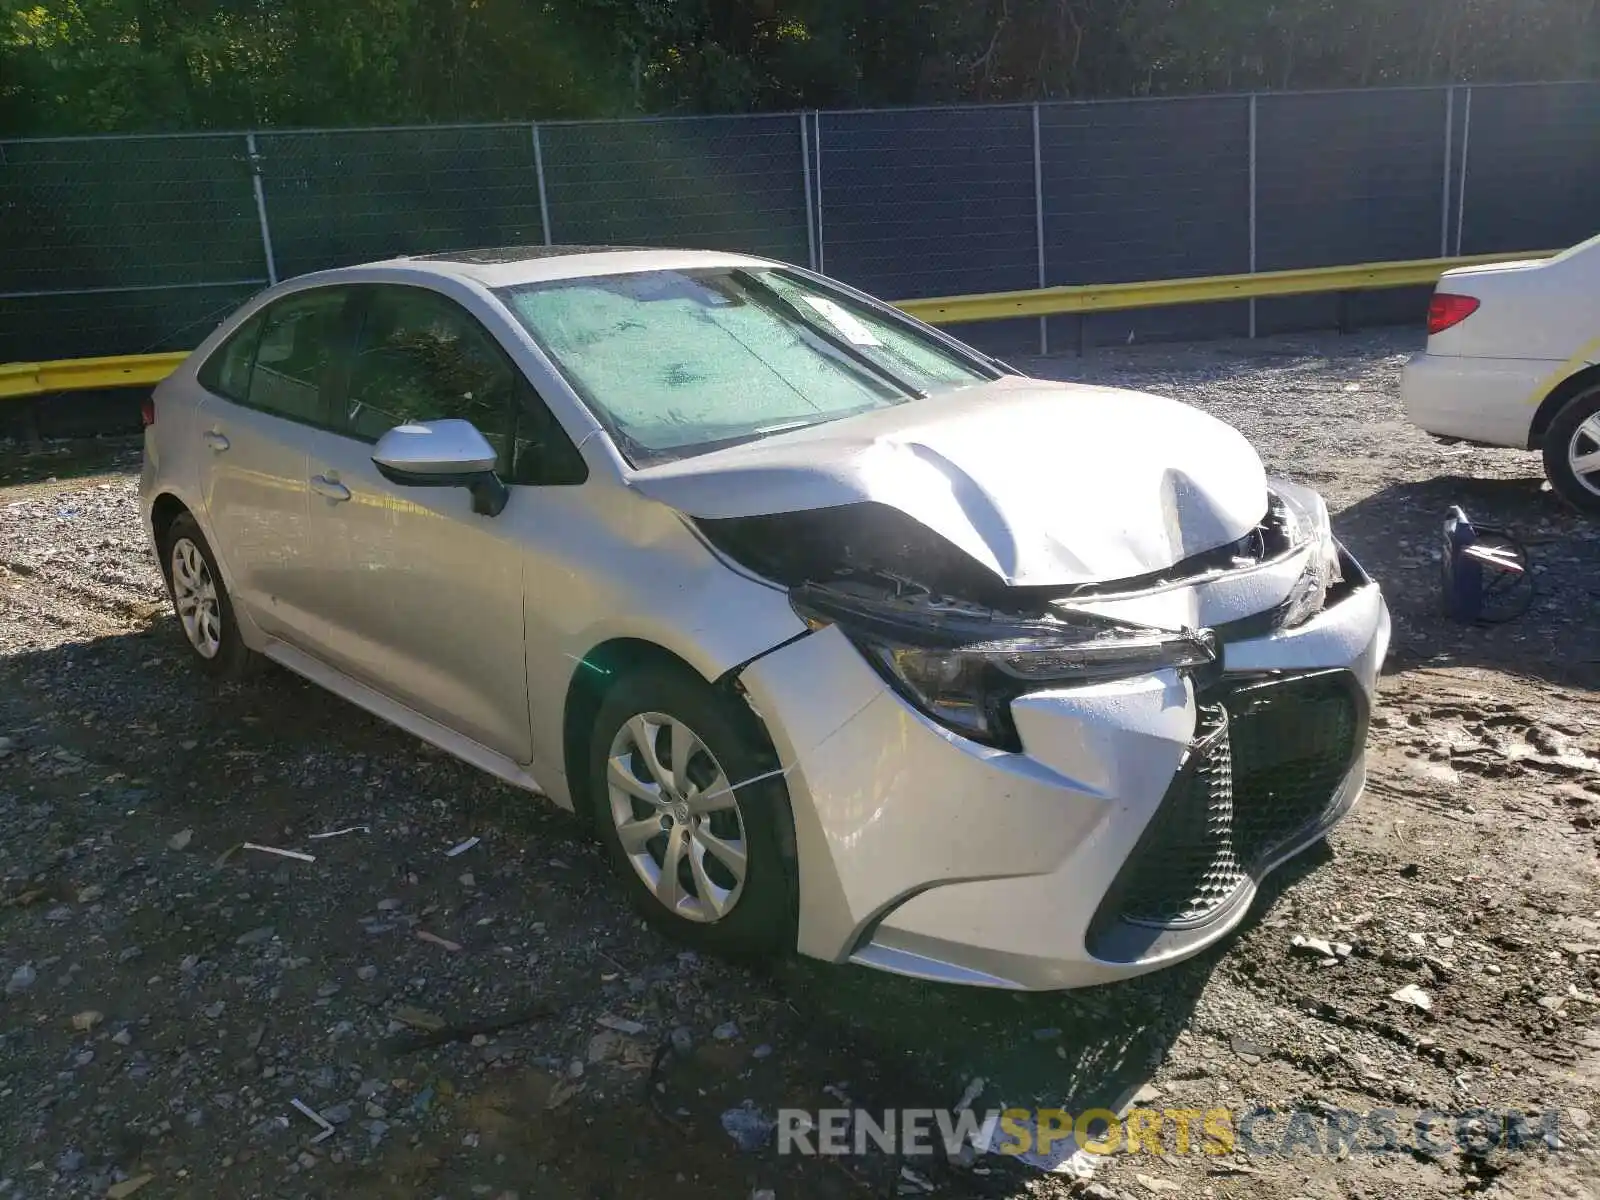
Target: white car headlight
1306, 521
963, 667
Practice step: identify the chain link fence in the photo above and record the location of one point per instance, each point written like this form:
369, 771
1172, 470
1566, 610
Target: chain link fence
719, 183
126, 244
107, 244
349, 196
1140, 189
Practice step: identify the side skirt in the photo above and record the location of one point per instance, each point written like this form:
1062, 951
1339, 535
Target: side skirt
468, 751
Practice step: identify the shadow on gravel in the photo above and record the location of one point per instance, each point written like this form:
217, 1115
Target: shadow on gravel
1397, 535
118, 743
1090, 1048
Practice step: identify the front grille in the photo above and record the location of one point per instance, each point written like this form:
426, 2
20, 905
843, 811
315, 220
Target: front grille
1263, 771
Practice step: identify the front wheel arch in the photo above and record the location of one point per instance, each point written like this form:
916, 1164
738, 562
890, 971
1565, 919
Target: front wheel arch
600, 670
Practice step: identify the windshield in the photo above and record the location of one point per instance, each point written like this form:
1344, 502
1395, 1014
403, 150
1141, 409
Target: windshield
676, 363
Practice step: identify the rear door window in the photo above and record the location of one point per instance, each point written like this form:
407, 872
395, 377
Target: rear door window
299, 342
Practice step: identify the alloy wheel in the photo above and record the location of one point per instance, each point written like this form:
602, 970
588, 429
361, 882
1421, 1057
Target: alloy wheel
677, 816
194, 593
1583, 454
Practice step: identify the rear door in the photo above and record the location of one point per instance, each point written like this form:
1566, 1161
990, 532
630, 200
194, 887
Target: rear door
265, 393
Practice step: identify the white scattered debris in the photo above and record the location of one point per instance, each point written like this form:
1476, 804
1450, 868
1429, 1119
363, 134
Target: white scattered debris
333, 833
974, 1090
424, 936
305, 1110
1152, 1184
1413, 995
1064, 1157
301, 855
462, 847
1310, 945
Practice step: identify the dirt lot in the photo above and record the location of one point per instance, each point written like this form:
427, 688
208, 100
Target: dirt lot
160, 1005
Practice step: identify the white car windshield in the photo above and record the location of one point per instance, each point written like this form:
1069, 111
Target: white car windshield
676, 363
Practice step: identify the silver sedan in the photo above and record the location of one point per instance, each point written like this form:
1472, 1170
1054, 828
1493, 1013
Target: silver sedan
845, 637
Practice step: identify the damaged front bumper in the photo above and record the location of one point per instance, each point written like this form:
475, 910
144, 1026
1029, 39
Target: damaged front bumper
1127, 830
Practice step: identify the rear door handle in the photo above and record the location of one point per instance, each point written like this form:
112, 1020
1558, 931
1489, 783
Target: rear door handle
331, 488
216, 441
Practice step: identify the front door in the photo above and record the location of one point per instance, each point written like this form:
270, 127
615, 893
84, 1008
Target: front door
415, 594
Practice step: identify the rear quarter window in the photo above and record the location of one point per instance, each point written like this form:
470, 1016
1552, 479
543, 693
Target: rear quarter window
227, 371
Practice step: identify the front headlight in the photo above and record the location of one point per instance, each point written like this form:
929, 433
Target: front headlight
963, 666
1305, 516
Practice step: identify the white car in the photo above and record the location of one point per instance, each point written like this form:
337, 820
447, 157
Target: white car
1513, 359
843, 636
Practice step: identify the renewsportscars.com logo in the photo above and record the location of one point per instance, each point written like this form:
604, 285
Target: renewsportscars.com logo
1259, 1131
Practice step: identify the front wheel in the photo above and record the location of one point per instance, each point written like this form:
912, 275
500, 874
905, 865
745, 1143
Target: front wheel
694, 813
1572, 452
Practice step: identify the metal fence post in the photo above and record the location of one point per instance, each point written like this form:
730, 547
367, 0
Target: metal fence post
805, 169
1461, 187
538, 171
1449, 150
822, 245
261, 208
1038, 227
1253, 205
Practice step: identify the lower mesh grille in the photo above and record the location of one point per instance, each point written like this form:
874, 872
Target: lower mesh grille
1264, 769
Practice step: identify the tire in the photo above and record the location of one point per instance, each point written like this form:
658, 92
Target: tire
201, 601
702, 821
1575, 432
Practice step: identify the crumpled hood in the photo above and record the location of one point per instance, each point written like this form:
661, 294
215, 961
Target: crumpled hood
1046, 484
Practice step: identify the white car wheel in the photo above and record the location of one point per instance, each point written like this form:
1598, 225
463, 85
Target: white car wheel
194, 595
686, 796
1572, 452
201, 601
677, 817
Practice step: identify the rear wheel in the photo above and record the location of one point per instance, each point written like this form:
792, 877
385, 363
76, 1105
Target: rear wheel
199, 597
693, 813
1572, 452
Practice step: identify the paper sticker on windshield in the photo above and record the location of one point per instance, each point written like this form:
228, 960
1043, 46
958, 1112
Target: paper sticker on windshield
851, 327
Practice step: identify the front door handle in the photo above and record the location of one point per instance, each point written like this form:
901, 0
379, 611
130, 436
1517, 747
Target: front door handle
331, 488
216, 441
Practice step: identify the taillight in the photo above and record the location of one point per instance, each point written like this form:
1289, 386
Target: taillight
1446, 311
147, 411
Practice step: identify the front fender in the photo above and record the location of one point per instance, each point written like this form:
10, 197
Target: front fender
634, 571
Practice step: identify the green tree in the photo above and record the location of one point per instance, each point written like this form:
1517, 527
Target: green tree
84, 66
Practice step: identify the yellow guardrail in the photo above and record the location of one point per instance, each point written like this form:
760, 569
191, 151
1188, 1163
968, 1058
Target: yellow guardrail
1111, 297
133, 370
80, 374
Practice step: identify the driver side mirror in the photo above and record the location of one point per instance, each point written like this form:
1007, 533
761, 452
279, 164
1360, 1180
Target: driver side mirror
444, 453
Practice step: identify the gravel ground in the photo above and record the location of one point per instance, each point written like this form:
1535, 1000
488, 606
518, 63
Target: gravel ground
165, 997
